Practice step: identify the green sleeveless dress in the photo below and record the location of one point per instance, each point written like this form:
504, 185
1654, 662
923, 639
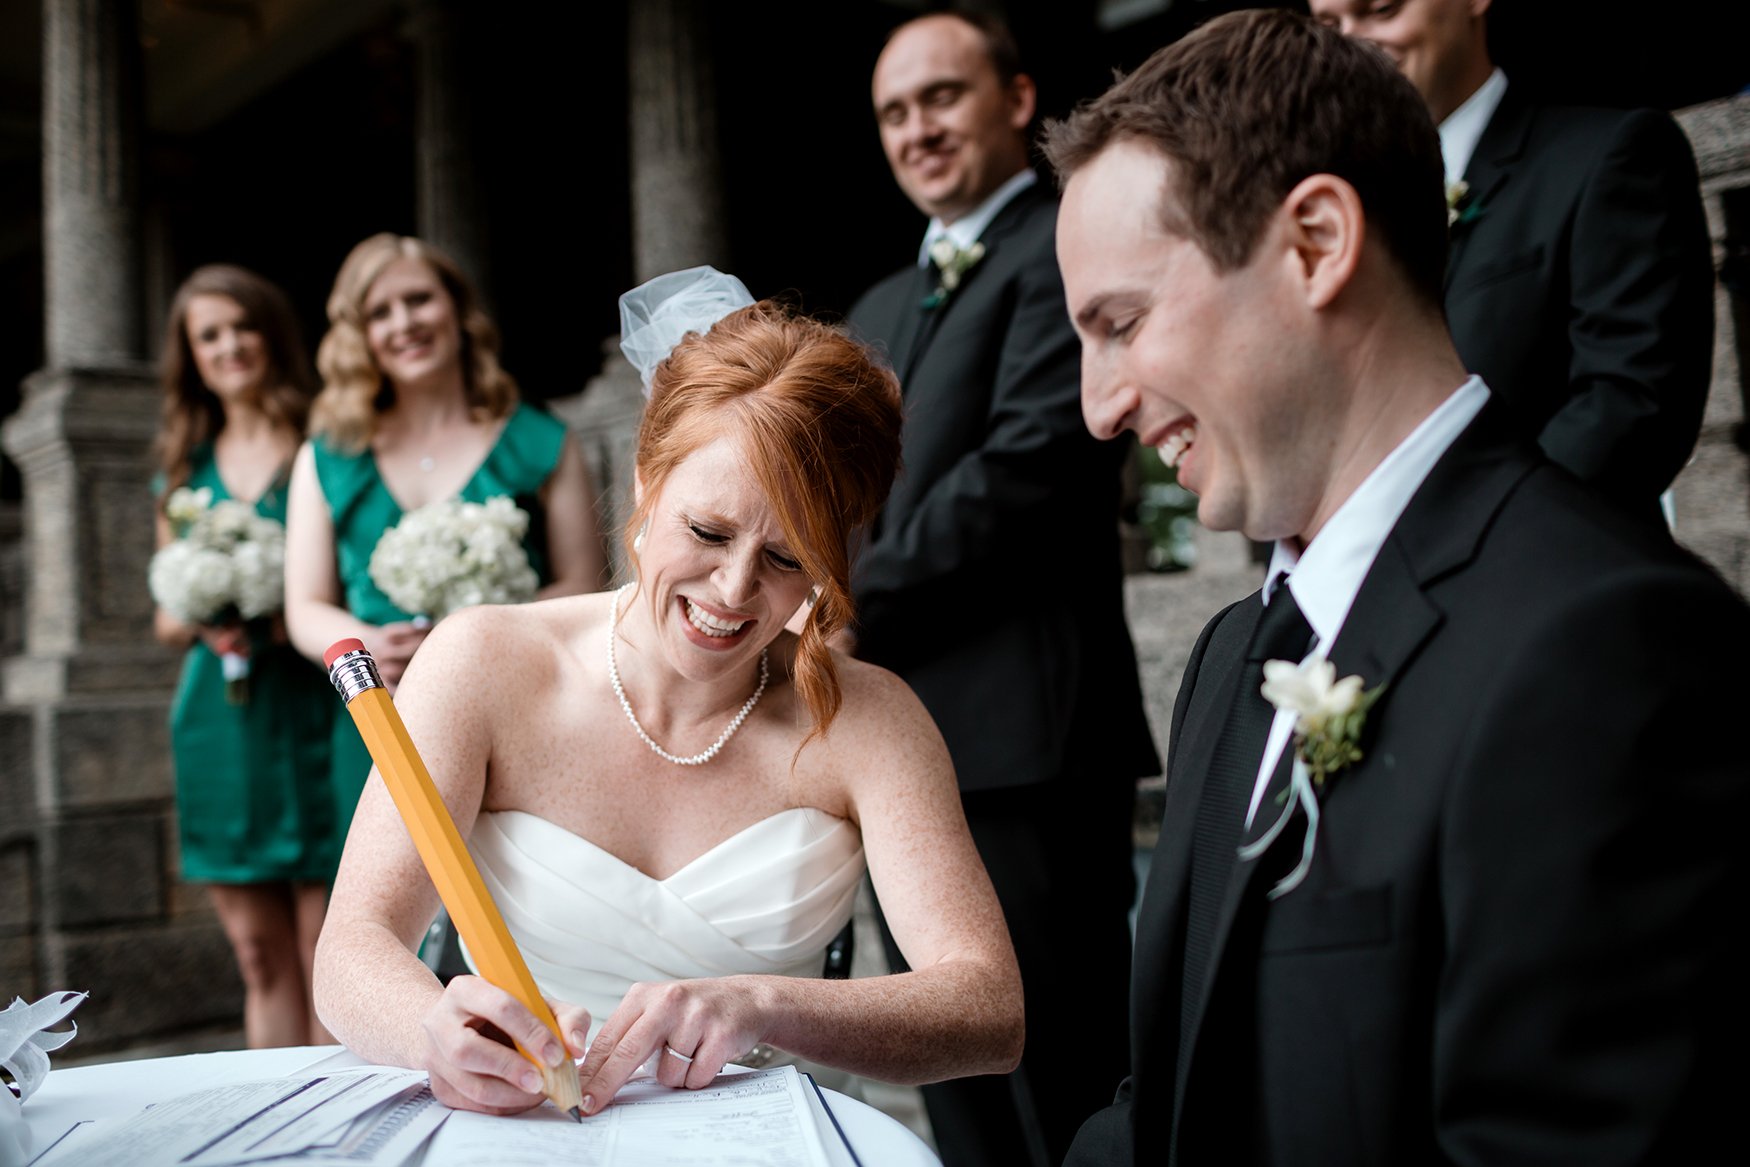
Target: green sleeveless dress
519, 464
252, 792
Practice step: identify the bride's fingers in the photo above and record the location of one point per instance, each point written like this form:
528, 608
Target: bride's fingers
481, 1057
465, 1091
613, 1058
672, 1066
489, 1003
708, 1061
574, 1024
466, 1032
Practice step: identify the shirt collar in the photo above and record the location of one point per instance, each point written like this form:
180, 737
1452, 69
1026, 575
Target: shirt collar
965, 230
1328, 574
1464, 126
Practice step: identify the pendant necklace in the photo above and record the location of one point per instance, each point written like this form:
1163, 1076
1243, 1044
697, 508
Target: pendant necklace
710, 751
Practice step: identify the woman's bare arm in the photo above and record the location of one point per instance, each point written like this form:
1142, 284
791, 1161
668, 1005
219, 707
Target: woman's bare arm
371, 991
315, 617
958, 1011
574, 541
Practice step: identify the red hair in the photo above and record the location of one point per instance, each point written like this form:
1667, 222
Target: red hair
818, 418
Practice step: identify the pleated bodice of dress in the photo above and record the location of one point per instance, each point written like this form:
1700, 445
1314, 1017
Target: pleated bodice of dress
768, 899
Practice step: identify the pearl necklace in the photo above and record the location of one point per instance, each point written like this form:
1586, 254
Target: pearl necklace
698, 759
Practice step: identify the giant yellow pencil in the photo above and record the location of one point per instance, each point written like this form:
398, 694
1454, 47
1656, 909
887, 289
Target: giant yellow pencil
452, 870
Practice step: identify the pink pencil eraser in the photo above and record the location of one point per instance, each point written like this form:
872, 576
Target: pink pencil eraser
339, 649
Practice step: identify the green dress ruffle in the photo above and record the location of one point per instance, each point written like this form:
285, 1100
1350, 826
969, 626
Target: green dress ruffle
520, 462
252, 780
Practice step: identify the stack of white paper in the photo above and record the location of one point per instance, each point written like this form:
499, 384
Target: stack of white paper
763, 1118
372, 1116
377, 1117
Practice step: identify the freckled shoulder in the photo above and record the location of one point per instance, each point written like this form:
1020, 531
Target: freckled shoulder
515, 645
882, 717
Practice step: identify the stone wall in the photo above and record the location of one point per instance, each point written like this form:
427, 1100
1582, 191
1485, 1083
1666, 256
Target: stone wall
1712, 495
89, 894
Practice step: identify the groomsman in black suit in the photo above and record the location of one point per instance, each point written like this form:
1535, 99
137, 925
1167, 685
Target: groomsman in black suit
991, 580
1479, 901
1580, 283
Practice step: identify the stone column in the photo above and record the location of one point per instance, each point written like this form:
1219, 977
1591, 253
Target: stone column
677, 222
91, 253
448, 196
677, 185
1712, 494
88, 897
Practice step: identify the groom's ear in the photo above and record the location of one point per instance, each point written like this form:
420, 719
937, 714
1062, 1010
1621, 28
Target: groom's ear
1327, 228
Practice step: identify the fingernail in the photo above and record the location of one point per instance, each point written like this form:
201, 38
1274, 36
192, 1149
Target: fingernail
579, 1040
552, 1054
589, 1104
531, 1081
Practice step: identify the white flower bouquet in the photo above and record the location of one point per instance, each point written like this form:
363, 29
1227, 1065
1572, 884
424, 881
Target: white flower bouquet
455, 554
226, 565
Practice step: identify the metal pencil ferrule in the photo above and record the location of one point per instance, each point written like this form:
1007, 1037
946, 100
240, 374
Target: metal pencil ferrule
354, 672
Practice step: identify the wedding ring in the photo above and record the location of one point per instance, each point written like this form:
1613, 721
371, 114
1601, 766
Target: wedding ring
672, 1052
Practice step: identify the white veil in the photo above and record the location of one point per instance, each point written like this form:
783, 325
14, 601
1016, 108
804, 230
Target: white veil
657, 313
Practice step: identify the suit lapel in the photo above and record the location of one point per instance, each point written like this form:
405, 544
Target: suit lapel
927, 322
907, 328
1187, 785
1491, 165
1193, 755
1391, 619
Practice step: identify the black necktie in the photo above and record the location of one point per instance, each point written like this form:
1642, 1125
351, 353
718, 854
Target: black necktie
1282, 634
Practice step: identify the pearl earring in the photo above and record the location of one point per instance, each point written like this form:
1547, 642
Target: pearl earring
638, 540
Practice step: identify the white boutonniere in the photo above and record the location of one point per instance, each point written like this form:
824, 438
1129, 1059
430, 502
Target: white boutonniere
952, 264
1330, 716
1460, 207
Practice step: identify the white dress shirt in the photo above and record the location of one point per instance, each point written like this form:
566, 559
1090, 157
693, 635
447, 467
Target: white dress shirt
1464, 126
965, 230
1328, 574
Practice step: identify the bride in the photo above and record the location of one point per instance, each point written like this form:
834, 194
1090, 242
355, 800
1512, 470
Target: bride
671, 797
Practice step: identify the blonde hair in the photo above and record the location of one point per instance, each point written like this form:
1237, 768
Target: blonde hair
818, 420
354, 391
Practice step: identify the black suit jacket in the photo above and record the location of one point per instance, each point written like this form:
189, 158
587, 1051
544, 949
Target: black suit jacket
991, 580
1580, 287
1519, 940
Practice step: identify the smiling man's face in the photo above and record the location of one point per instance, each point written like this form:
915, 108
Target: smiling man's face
952, 131
1197, 362
1439, 45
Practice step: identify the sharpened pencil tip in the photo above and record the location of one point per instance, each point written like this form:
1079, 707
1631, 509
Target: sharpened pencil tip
576, 1113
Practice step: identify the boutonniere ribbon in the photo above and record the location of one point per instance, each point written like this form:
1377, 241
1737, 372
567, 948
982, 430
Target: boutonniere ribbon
1329, 718
1461, 208
952, 263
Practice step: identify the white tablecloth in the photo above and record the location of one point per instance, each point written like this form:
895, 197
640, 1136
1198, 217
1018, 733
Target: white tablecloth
74, 1094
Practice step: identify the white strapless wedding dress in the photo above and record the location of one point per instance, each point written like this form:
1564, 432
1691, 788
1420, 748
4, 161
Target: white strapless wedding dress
765, 900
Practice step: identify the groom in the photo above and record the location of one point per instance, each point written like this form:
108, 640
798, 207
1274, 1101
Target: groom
1508, 930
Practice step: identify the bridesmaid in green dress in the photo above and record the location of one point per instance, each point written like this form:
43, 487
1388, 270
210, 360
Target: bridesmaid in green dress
415, 409
254, 818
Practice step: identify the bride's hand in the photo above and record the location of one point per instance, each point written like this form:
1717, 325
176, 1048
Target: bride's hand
695, 1026
468, 1053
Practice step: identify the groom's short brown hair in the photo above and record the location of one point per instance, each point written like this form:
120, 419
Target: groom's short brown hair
1252, 103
